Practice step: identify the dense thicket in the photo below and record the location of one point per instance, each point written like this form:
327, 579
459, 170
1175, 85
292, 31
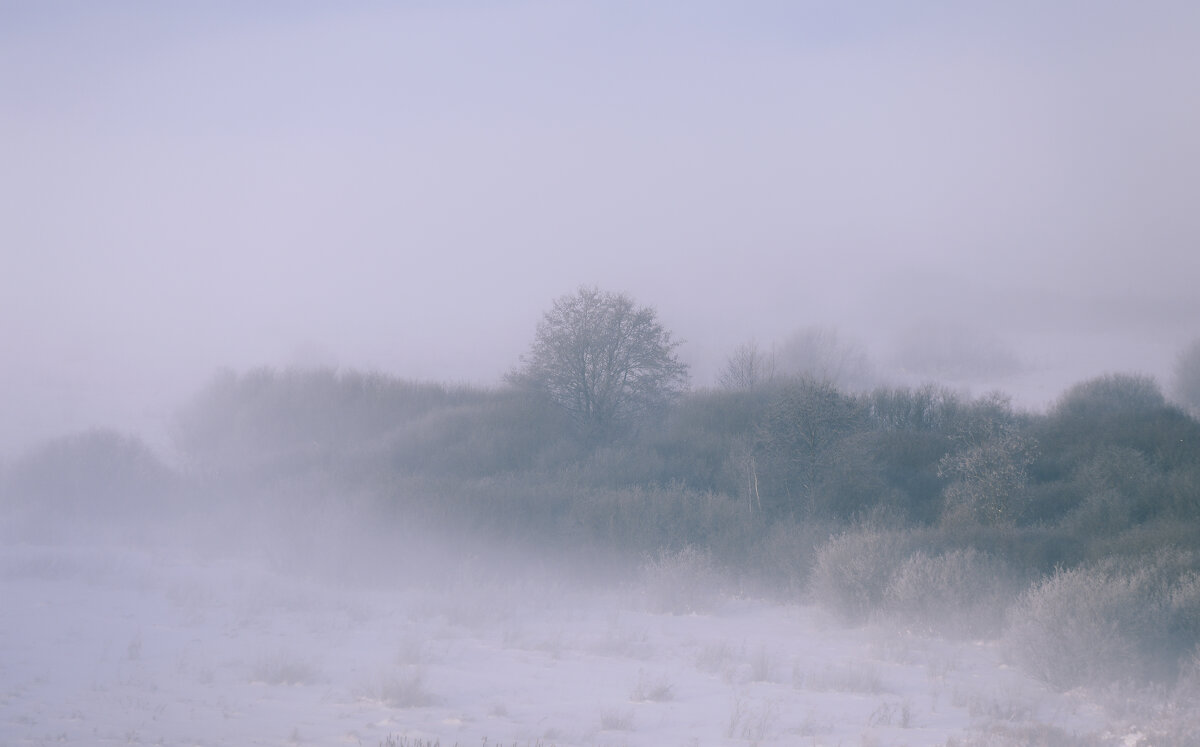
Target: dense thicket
1110, 456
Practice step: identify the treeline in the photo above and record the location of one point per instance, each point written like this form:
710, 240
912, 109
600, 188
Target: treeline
1110, 455
1111, 461
957, 513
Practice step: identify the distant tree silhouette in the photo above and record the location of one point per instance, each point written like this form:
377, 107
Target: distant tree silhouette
604, 360
1187, 379
1110, 395
98, 472
747, 368
821, 354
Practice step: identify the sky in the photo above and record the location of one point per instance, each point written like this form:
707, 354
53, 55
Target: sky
406, 187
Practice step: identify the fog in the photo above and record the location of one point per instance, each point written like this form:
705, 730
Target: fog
266, 271
405, 189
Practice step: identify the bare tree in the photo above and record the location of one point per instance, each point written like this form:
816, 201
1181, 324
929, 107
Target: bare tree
747, 368
604, 360
820, 353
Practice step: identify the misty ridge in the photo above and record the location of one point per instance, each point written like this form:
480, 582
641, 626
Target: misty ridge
1067, 536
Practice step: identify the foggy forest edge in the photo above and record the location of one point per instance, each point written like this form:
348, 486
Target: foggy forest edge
1068, 534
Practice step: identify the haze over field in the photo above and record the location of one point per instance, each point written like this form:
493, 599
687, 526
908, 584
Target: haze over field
405, 187
600, 373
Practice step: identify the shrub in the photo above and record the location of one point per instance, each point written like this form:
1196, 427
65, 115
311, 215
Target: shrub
284, 668
640, 520
403, 690
505, 432
89, 475
958, 592
267, 419
1122, 618
854, 569
616, 720
653, 690
681, 582
784, 554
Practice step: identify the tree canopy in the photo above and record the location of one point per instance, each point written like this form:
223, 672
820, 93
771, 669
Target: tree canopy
604, 360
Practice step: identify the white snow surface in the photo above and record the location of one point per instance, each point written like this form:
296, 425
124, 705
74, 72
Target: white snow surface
102, 644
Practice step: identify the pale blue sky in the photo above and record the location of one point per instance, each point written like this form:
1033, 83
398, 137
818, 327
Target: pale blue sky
406, 186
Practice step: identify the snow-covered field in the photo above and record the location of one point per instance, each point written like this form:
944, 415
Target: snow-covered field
109, 645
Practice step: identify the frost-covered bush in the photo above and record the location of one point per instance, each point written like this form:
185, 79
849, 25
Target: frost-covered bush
854, 570
681, 582
94, 472
83, 482
988, 479
782, 558
653, 690
1121, 619
960, 592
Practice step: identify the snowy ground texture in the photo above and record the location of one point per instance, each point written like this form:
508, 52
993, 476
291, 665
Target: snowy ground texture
157, 647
